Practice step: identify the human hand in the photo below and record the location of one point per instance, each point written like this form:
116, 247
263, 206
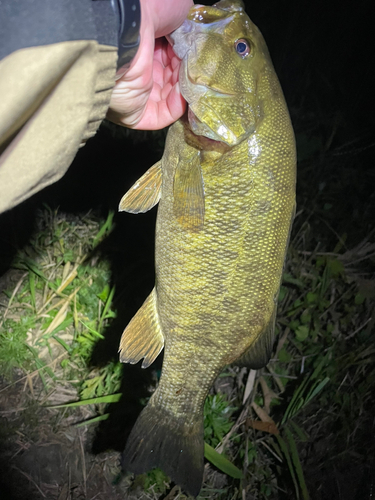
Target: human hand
147, 96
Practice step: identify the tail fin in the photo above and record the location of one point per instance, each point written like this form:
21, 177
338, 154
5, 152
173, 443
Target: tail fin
160, 439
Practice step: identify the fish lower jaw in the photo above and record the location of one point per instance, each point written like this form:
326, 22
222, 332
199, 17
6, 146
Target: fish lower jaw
200, 140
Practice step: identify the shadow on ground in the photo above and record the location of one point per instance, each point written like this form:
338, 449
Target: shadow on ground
101, 173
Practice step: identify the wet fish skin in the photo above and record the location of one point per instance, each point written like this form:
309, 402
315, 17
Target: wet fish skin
227, 201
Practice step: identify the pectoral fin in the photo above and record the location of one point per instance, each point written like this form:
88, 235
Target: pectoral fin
188, 194
145, 193
259, 353
142, 338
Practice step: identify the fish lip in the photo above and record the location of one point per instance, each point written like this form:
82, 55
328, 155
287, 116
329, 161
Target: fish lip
180, 49
206, 143
208, 87
192, 90
189, 28
192, 116
214, 139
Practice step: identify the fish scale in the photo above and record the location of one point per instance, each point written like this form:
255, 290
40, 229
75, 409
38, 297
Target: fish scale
226, 185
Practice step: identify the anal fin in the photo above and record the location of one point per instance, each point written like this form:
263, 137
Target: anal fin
259, 353
143, 337
145, 193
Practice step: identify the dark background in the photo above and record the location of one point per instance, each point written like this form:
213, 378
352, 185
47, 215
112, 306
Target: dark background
323, 55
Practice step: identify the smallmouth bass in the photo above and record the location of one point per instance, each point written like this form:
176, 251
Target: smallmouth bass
226, 192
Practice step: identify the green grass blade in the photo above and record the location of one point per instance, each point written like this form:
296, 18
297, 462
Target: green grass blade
302, 435
221, 462
284, 449
62, 343
33, 267
93, 420
27, 263
106, 228
40, 365
297, 463
32, 289
316, 389
320, 366
107, 306
295, 401
277, 449
91, 330
111, 398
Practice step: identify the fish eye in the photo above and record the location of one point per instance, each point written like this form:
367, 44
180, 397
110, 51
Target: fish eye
242, 47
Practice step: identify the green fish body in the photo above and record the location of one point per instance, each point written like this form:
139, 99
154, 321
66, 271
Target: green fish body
226, 193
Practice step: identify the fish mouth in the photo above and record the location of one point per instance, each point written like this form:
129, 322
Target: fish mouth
203, 119
202, 141
194, 94
204, 131
200, 128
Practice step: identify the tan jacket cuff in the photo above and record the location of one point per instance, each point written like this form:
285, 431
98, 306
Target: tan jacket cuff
53, 99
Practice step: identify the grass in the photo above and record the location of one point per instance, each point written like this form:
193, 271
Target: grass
59, 306
265, 430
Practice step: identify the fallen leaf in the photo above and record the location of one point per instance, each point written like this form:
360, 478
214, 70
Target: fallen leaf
269, 427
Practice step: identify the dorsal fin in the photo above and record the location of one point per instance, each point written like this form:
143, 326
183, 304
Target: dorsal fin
143, 337
188, 193
145, 193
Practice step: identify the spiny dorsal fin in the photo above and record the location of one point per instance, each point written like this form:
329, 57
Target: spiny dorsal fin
188, 193
145, 193
142, 338
259, 353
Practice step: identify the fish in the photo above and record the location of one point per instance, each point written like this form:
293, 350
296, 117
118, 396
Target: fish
225, 189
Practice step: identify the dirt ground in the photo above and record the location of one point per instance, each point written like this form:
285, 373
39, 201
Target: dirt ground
43, 456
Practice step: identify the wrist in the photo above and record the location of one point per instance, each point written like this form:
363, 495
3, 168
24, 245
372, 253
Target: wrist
128, 13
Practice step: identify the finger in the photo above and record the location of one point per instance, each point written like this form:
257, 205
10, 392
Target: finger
165, 91
160, 114
176, 103
169, 14
164, 52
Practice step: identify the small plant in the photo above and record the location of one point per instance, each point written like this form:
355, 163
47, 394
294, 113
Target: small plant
60, 307
217, 418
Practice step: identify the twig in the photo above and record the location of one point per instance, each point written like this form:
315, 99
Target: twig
262, 414
238, 422
83, 465
337, 301
268, 394
277, 378
292, 377
270, 450
30, 479
282, 340
32, 374
17, 287
172, 492
249, 385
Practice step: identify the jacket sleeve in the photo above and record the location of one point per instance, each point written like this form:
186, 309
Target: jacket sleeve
53, 99
55, 89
